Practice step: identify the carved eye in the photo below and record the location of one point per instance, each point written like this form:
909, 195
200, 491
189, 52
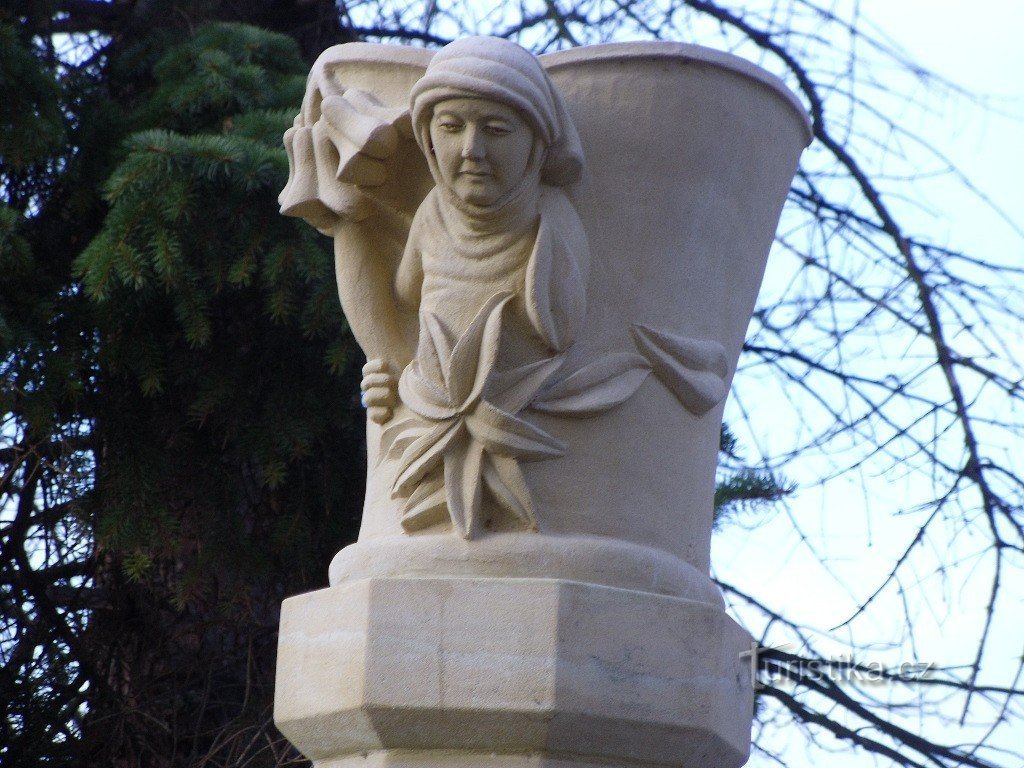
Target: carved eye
448, 123
497, 129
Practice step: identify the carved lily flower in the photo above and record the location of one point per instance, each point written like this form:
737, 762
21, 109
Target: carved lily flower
468, 436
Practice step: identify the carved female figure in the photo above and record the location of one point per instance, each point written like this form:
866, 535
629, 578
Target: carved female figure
495, 266
499, 143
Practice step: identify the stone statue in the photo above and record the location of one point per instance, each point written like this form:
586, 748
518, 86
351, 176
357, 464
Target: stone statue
550, 265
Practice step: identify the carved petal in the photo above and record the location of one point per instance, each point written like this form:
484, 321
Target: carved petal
366, 131
503, 476
337, 158
397, 116
344, 200
474, 353
441, 344
423, 456
400, 432
426, 506
462, 466
424, 396
394, 430
511, 391
597, 387
504, 434
694, 370
300, 195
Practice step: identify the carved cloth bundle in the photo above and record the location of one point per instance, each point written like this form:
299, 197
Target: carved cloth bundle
476, 67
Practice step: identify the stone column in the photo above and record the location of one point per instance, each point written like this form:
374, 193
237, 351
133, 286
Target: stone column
531, 588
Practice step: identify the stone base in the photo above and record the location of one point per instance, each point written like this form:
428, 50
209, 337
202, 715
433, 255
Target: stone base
589, 559
530, 673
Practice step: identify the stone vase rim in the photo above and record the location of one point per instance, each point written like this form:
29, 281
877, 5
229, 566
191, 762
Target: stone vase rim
630, 51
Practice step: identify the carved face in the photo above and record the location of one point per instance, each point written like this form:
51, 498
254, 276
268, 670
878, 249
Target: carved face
482, 148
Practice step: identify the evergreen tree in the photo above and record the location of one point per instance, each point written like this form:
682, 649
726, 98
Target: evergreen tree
230, 467
180, 397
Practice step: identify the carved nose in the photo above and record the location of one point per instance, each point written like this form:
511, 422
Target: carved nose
472, 146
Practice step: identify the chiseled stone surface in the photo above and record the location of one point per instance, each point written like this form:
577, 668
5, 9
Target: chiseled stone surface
534, 666
550, 265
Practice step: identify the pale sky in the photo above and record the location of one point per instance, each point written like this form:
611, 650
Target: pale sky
977, 46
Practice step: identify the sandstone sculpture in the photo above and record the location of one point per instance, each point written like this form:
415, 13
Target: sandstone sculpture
550, 268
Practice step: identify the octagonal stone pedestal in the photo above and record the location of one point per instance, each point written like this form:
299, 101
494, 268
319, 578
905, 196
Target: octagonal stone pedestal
510, 672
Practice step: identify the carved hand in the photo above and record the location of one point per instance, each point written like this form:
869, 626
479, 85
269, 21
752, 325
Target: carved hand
379, 391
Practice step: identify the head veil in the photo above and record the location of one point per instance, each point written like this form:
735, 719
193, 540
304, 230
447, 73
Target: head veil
500, 70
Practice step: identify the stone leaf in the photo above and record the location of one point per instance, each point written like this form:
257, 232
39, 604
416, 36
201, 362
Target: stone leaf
597, 387
398, 436
472, 358
462, 472
512, 391
424, 455
694, 370
505, 480
426, 505
505, 435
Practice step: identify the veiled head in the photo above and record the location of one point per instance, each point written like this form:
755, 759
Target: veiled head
500, 73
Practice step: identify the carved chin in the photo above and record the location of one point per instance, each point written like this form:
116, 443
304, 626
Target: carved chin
477, 190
